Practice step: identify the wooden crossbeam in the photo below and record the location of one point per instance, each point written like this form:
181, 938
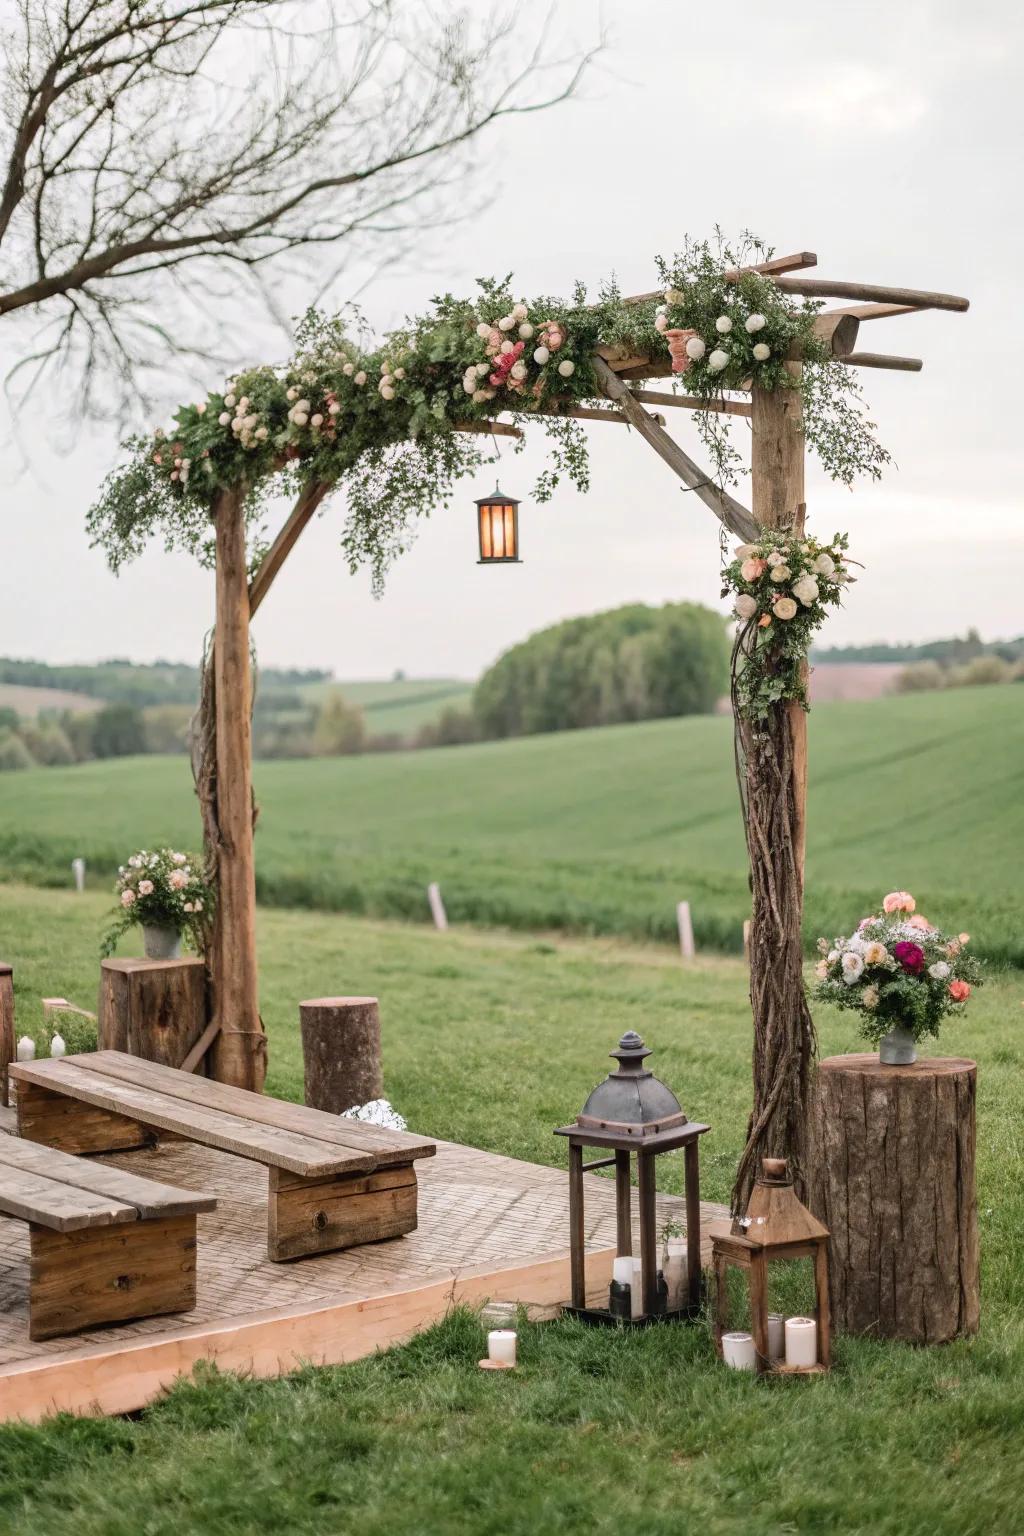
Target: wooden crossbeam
914, 298
693, 402
877, 311
726, 508
489, 428
777, 264
883, 360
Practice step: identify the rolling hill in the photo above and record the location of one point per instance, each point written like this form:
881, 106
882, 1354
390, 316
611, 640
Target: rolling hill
599, 831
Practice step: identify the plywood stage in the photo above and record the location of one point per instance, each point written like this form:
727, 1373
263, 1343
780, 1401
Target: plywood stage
489, 1226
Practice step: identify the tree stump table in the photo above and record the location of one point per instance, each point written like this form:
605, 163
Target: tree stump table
893, 1179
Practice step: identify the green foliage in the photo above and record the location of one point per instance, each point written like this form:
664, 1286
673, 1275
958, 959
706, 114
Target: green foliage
47, 742
14, 754
340, 727
118, 731
630, 663
379, 420
920, 677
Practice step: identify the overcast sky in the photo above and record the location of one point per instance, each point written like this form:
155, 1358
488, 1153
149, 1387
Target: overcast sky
885, 137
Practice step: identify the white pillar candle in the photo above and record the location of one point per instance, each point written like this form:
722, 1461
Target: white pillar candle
801, 1341
676, 1271
622, 1270
57, 1046
501, 1345
738, 1351
776, 1336
636, 1289
26, 1048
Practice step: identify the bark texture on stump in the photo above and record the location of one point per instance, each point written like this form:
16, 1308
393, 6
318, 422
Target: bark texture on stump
7, 1046
155, 1009
894, 1181
341, 1052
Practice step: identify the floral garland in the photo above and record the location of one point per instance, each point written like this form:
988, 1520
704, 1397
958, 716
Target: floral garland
380, 420
898, 969
783, 586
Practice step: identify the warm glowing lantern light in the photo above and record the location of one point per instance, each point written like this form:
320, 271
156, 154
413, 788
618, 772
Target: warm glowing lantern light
498, 517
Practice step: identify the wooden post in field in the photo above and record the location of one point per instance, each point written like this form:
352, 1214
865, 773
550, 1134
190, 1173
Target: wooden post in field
239, 1051
78, 871
437, 910
684, 923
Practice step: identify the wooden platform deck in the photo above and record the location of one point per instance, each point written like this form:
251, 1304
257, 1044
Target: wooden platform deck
489, 1226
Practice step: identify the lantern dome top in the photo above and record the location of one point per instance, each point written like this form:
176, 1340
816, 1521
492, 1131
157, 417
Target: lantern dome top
497, 497
631, 1098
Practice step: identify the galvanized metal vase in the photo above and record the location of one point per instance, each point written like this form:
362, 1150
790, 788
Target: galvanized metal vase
898, 1048
160, 943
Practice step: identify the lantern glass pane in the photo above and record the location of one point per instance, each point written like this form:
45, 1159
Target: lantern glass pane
486, 550
510, 532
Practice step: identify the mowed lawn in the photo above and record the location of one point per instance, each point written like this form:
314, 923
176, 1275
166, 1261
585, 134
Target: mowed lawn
597, 831
494, 1039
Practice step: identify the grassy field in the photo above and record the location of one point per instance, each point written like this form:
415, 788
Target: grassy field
594, 1433
592, 831
397, 705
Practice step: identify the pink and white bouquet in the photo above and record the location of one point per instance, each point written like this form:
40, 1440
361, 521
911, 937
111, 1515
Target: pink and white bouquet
898, 971
163, 889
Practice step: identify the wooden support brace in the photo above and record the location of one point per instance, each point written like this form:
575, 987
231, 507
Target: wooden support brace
318, 1215
109, 1274
916, 298
725, 507
883, 360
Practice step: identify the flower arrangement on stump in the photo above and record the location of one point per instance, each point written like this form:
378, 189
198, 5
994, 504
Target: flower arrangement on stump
166, 895
901, 974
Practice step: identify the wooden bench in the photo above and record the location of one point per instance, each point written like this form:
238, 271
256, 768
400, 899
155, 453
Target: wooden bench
105, 1245
333, 1183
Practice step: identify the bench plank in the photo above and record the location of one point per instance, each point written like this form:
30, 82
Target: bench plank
387, 1147
230, 1133
149, 1197
32, 1197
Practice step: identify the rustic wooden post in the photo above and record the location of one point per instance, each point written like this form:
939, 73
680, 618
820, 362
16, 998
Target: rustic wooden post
239, 1052
7, 1046
341, 1052
155, 1009
894, 1179
774, 758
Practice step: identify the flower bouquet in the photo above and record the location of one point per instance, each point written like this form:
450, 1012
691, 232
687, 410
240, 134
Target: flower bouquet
167, 895
900, 974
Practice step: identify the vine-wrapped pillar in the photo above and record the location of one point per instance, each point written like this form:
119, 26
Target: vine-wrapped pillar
773, 763
239, 1052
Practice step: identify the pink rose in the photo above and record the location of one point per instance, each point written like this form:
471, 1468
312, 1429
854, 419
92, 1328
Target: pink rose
127, 898
959, 991
177, 880
145, 887
899, 901
964, 938
751, 569
917, 921
910, 956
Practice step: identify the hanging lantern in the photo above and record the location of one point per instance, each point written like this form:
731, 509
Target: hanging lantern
498, 518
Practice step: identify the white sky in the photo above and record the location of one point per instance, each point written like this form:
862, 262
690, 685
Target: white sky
886, 137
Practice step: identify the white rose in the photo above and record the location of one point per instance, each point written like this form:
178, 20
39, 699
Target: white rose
349, 369
243, 404
541, 356
762, 352
661, 322
775, 557
784, 608
833, 956
940, 970
262, 434
756, 323
695, 348
248, 423
526, 330
201, 408
469, 384
853, 967
506, 348
224, 418
519, 311
780, 573
317, 420
300, 418
483, 330
479, 395
290, 394
359, 378
519, 370
229, 399
723, 325
334, 409
567, 368
481, 369
824, 565
506, 323
178, 858
399, 373
856, 945
718, 360
806, 589
745, 606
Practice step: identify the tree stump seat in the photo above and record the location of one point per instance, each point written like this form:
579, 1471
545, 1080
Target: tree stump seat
332, 1183
894, 1181
106, 1246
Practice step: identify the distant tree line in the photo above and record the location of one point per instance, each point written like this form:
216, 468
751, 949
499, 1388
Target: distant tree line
982, 671
954, 652
138, 683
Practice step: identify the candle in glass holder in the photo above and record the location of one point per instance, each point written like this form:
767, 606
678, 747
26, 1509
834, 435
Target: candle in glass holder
501, 1345
738, 1350
801, 1341
26, 1048
776, 1336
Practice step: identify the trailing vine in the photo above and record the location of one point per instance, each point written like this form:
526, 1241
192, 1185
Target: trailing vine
379, 420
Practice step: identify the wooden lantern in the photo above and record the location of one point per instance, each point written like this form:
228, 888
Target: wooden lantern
633, 1112
498, 520
777, 1226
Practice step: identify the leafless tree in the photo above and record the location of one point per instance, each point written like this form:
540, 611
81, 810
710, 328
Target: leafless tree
158, 149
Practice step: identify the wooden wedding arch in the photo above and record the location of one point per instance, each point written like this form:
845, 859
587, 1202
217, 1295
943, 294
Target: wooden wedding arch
783, 1033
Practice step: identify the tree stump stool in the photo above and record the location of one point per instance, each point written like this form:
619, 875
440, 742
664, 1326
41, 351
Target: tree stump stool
341, 1052
154, 1009
894, 1180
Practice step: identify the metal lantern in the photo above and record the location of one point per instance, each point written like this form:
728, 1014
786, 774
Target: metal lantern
498, 520
777, 1226
633, 1112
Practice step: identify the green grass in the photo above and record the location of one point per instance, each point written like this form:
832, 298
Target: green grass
592, 831
495, 1038
397, 705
